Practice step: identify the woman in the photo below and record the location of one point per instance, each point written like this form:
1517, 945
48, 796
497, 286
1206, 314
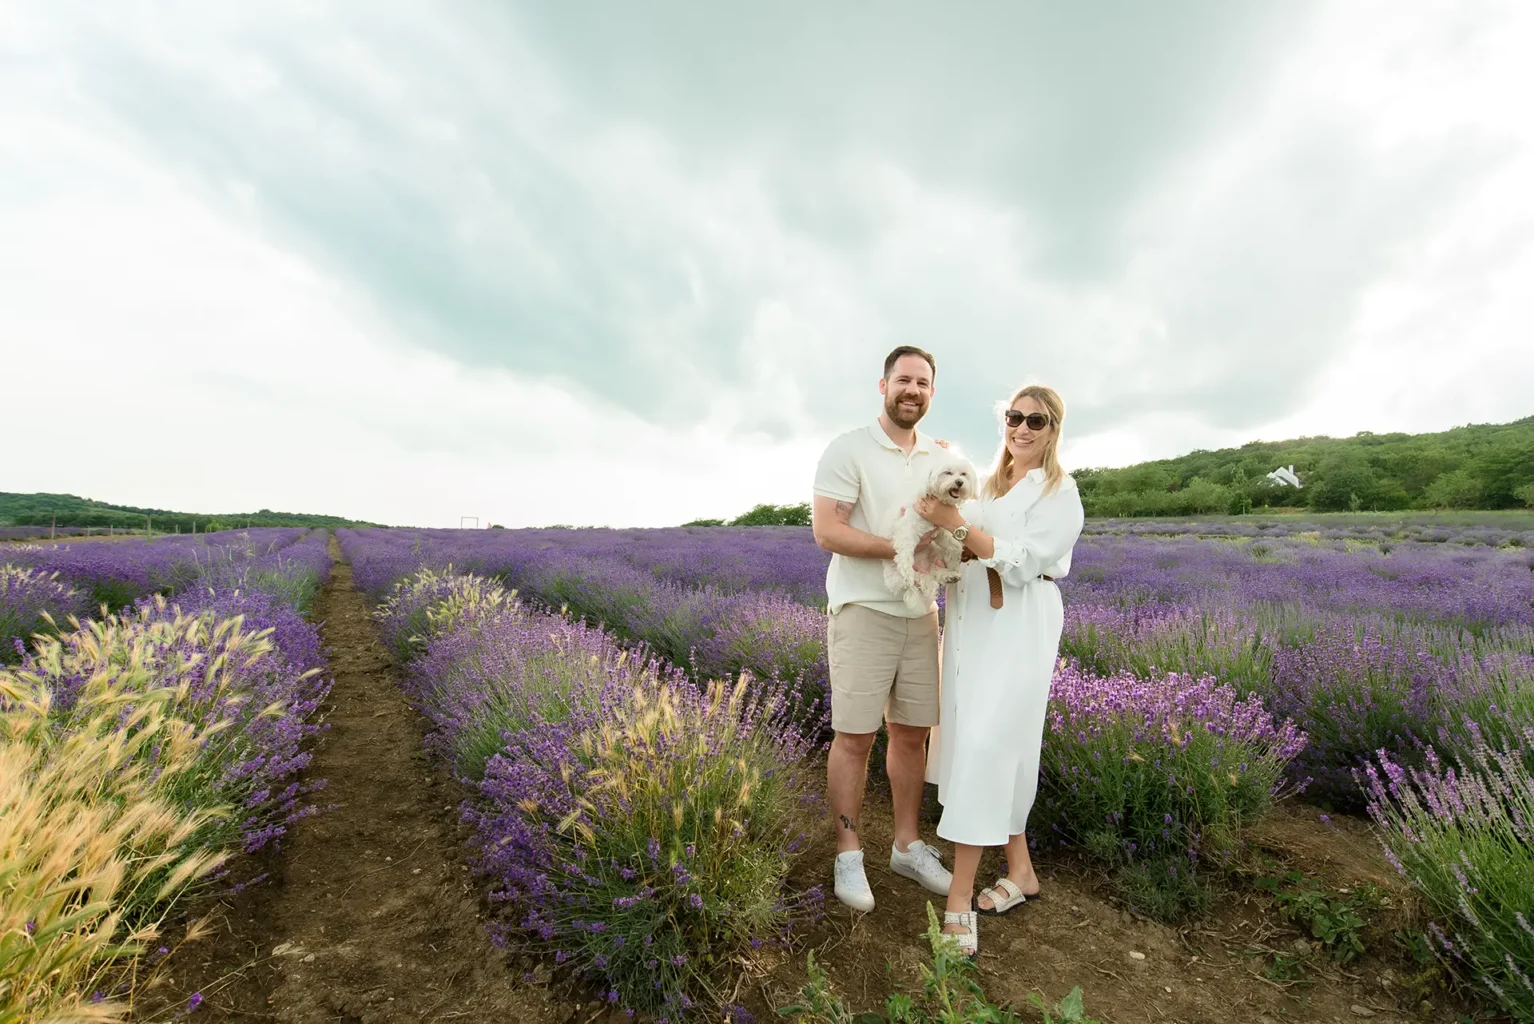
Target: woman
1000, 642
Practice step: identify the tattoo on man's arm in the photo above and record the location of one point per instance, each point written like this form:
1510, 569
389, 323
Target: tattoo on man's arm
847, 823
844, 510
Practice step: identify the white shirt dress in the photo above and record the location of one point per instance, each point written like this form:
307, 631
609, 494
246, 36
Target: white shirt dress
998, 663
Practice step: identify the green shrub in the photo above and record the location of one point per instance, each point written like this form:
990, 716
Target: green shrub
1154, 776
649, 842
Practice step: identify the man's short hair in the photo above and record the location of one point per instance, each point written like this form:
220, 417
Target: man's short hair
907, 350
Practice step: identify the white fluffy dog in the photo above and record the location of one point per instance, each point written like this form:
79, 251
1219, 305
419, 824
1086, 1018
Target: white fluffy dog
951, 480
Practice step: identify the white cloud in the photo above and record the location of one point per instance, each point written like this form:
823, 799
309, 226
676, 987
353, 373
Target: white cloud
407, 268
163, 356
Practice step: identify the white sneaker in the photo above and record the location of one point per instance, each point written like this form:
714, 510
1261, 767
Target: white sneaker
922, 863
852, 883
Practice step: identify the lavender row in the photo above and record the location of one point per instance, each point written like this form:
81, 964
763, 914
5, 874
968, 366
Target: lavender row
178, 728
250, 593
78, 579
1356, 683
1461, 830
40, 532
1363, 650
713, 632
29, 599
776, 559
1492, 529
637, 827
117, 574
1478, 585
1157, 777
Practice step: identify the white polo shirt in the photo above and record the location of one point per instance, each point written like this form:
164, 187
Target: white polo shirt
865, 467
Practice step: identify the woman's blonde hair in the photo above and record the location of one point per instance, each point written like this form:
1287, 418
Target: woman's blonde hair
1054, 407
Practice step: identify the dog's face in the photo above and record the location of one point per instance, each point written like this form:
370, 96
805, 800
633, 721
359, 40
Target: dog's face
953, 480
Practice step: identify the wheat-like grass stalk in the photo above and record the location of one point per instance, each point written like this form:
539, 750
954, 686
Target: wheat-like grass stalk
88, 826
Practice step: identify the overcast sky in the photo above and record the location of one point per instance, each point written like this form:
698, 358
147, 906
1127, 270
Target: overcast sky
633, 263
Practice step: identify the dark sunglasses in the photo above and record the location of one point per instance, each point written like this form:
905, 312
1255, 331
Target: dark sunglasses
1035, 420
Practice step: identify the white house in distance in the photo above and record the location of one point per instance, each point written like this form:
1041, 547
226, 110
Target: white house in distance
1284, 477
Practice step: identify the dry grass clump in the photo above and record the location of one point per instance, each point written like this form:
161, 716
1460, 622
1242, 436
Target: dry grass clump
89, 829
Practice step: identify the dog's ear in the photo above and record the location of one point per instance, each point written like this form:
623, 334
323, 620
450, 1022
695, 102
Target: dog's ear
934, 478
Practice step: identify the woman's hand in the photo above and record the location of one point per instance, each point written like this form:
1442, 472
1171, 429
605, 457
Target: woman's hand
946, 517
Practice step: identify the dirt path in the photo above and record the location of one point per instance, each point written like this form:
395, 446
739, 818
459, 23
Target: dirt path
370, 915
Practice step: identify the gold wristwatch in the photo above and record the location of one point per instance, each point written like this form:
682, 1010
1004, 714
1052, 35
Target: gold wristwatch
960, 532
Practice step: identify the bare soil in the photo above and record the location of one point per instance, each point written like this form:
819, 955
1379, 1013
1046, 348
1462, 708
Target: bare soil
1211, 970
371, 916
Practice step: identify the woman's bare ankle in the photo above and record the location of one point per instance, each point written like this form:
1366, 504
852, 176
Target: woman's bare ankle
1028, 883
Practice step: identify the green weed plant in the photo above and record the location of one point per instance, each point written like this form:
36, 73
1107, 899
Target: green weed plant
950, 993
1336, 920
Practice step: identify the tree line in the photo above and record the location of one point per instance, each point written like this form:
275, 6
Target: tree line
1483, 466
69, 510
764, 515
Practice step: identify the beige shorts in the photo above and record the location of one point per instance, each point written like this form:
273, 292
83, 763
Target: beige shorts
883, 667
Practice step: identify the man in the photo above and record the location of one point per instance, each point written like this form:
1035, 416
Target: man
883, 659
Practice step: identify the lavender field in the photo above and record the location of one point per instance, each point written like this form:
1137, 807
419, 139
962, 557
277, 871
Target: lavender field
1366, 637
637, 721
1382, 668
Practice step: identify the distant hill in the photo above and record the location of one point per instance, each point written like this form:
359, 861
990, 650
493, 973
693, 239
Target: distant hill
1483, 466
1474, 467
68, 510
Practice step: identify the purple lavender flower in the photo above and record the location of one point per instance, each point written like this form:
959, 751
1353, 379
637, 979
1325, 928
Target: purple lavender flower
1461, 831
28, 599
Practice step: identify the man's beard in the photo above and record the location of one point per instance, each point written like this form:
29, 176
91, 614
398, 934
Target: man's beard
901, 418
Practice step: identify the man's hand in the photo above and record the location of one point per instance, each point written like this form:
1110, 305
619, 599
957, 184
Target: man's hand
938, 514
922, 555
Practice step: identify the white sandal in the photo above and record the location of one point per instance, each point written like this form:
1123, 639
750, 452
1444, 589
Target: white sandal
1004, 895
969, 942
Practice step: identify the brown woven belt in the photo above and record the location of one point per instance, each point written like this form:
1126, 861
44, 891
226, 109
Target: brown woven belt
993, 578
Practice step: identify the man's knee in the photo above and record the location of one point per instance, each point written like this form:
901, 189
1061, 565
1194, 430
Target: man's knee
908, 737
854, 744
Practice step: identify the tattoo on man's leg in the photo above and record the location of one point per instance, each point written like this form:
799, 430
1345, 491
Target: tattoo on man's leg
847, 823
